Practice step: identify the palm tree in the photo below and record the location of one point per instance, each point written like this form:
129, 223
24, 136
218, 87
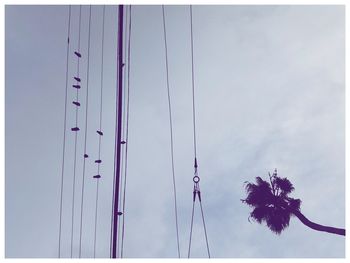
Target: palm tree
272, 205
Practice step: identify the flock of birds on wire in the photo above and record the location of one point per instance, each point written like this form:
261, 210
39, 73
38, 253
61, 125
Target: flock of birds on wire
77, 82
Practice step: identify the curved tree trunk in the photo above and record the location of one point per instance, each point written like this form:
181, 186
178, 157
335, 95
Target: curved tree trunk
307, 222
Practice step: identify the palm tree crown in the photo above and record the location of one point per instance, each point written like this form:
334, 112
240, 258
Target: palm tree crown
271, 202
272, 205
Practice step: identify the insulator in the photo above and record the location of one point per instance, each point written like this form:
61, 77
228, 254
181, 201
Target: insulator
123, 142
119, 213
97, 176
100, 133
75, 129
86, 156
76, 86
98, 161
77, 79
196, 179
76, 103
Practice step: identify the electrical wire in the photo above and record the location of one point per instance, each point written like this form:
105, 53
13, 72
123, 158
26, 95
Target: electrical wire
125, 29
191, 228
75, 141
205, 229
119, 105
64, 134
171, 133
115, 155
100, 129
193, 94
196, 190
96, 207
85, 134
126, 136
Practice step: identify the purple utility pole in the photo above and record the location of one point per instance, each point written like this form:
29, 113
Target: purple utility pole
118, 132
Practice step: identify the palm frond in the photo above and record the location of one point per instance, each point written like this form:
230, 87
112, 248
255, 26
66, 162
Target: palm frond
263, 184
271, 203
258, 214
259, 194
277, 220
294, 204
284, 184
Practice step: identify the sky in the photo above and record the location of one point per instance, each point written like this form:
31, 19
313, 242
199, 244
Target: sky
270, 93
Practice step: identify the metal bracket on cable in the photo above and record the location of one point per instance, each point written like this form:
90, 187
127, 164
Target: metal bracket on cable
196, 190
196, 179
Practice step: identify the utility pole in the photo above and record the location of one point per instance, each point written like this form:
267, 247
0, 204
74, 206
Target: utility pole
118, 132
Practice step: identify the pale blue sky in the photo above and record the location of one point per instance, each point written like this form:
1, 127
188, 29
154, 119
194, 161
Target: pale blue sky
270, 93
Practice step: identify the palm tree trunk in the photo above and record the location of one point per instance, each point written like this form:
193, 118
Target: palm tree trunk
307, 222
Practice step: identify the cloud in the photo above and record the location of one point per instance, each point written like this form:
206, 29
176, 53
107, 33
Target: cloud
269, 94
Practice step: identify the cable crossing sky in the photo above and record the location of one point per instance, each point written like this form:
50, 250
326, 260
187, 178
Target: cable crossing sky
117, 230
196, 179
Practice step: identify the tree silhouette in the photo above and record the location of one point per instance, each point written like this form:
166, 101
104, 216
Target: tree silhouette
273, 206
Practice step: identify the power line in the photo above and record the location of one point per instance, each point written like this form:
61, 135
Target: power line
205, 229
85, 134
96, 207
98, 176
123, 157
193, 94
171, 133
126, 136
196, 179
101, 93
64, 134
197, 192
115, 156
119, 105
75, 129
191, 228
